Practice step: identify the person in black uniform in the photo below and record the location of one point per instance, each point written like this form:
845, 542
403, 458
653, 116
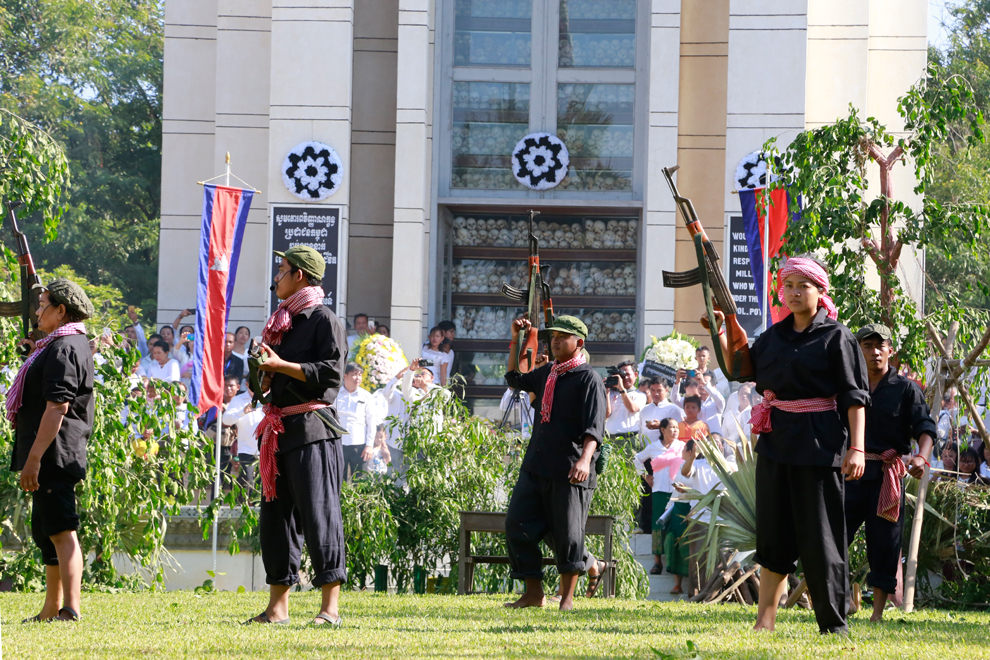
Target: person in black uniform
556, 482
301, 458
898, 412
812, 374
51, 406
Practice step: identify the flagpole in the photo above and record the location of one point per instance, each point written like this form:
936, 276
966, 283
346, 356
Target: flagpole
228, 170
216, 491
766, 264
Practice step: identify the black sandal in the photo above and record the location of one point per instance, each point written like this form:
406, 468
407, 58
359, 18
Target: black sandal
332, 623
657, 569
37, 619
73, 615
263, 618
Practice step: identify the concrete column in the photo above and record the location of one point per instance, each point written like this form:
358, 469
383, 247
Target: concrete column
311, 98
188, 115
701, 140
243, 91
413, 163
660, 217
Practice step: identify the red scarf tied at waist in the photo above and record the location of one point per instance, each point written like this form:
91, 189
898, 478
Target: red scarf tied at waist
889, 506
760, 419
555, 370
281, 320
267, 432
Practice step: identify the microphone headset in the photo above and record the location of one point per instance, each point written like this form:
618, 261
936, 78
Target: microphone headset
277, 280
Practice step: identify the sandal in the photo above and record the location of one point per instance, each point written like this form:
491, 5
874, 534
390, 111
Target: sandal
69, 612
676, 591
657, 569
37, 619
263, 618
595, 580
553, 600
332, 623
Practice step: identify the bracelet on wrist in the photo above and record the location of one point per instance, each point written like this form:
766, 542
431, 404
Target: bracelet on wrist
924, 459
858, 449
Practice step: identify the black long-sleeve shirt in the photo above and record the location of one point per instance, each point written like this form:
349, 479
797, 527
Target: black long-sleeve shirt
578, 410
316, 341
63, 372
898, 413
822, 361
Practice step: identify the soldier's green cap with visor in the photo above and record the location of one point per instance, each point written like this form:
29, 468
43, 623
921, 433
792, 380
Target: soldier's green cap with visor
305, 259
877, 329
66, 292
571, 325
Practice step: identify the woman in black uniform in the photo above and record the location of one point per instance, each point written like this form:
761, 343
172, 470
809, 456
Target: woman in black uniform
812, 374
51, 406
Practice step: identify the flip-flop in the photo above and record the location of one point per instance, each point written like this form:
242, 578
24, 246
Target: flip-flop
330, 622
657, 569
36, 619
73, 615
676, 591
263, 618
555, 599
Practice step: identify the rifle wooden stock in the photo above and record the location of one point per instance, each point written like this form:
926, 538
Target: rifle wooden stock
737, 365
537, 298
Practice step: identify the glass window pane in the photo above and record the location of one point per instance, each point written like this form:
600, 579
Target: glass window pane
489, 118
596, 124
597, 33
492, 32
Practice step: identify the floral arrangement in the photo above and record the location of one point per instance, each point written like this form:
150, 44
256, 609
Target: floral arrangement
540, 161
675, 350
381, 358
312, 171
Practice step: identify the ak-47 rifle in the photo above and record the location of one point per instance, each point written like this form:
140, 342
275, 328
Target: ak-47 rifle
537, 300
737, 365
28, 304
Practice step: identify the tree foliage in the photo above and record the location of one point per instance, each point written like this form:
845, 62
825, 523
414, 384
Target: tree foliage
828, 169
90, 73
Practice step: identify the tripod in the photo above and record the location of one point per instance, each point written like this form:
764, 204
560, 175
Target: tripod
523, 418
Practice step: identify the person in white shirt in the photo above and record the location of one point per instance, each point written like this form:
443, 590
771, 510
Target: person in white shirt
360, 330
658, 465
244, 416
441, 361
161, 366
407, 387
356, 409
718, 380
135, 333
697, 475
242, 337
741, 414
649, 427
624, 404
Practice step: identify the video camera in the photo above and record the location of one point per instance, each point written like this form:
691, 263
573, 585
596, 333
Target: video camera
613, 378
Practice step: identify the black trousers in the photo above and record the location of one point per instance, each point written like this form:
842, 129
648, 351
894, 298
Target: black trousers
306, 506
246, 476
800, 515
539, 508
883, 538
53, 509
352, 460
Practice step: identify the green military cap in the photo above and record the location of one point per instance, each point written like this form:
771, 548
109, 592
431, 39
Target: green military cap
306, 259
878, 329
68, 293
571, 325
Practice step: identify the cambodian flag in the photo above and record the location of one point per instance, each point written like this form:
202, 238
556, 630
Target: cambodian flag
752, 203
225, 212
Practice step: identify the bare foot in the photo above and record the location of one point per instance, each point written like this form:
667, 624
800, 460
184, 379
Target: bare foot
566, 604
763, 626
530, 600
876, 618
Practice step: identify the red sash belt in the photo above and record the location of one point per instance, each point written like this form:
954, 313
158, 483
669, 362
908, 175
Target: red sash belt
889, 506
268, 431
760, 419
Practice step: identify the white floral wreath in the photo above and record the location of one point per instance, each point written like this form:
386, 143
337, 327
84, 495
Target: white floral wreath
540, 161
312, 171
751, 172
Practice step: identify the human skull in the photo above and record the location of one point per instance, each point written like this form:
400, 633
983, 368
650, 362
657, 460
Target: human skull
471, 223
459, 221
598, 317
599, 227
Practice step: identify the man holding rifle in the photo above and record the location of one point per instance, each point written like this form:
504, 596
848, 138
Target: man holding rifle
553, 494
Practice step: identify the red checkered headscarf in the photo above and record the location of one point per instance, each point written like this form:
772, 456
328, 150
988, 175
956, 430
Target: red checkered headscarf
810, 269
556, 369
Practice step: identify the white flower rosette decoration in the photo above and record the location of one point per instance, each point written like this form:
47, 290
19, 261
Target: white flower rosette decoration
751, 172
672, 351
381, 358
312, 171
540, 161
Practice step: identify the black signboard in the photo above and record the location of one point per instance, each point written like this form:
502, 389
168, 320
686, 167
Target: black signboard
740, 279
313, 226
653, 369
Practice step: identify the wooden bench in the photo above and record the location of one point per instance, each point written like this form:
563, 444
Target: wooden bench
494, 523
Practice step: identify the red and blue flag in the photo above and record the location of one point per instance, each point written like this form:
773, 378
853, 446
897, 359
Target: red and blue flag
225, 211
757, 221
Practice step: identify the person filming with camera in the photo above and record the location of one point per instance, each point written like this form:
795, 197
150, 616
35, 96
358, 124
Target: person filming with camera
624, 403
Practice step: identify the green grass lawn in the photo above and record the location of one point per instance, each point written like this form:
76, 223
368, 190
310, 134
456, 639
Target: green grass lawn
181, 624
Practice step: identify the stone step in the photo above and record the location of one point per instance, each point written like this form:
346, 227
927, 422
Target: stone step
660, 585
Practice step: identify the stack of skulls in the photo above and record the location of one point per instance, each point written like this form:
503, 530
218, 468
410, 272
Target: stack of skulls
484, 322
607, 325
598, 234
